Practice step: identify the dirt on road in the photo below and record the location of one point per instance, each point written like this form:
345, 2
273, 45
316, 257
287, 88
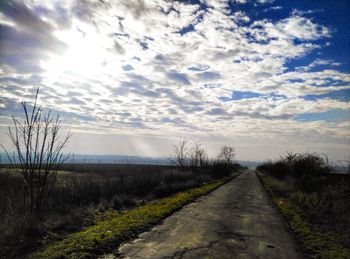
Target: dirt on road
237, 220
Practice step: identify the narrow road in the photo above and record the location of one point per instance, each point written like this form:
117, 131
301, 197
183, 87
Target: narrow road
235, 221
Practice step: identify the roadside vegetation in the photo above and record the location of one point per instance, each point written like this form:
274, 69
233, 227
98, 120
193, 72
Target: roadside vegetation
85, 192
43, 199
114, 226
314, 201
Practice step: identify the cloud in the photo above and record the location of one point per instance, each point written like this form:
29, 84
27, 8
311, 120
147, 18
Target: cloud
273, 8
208, 76
294, 27
296, 12
28, 41
178, 77
265, 1
127, 67
169, 67
217, 111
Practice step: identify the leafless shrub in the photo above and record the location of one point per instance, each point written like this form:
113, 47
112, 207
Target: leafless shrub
289, 157
180, 157
198, 156
37, 155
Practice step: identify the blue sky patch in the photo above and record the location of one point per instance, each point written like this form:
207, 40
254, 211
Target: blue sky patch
186, 29
336, 115
127, 67
239, 95
341, 95
144, 45
192, 63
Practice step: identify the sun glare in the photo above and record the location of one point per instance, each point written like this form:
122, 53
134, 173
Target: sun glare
85, 55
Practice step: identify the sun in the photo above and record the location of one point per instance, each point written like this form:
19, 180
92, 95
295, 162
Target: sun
86, 53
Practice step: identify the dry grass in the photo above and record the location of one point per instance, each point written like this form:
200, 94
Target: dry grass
80, 193
315, 204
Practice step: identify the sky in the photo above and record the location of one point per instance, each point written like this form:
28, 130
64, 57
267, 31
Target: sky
134, 77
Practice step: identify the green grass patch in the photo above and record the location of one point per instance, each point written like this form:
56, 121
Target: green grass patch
115, 226
315, 243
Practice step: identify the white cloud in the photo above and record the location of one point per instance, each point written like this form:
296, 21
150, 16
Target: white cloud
241, 1
265, 1
296, 12
177, 80
294, 27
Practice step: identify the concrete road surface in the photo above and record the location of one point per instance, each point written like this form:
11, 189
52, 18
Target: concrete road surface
235, 221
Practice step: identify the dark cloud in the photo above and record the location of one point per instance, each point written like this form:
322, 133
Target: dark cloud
134, 122
62, 17
19, 50
30, 25
217, 111
123, 114
33, 80
77, 101
20, 91
131, 87
164, 60
136, 84
178, 77
86, 10
24, 45
260, 115
200, 68
24, 17
172, 111
119, 48
183, 104
137, 8
14, 108
177, 121
73, 93
208, 76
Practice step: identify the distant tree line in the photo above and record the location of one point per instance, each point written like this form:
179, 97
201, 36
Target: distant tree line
191, 155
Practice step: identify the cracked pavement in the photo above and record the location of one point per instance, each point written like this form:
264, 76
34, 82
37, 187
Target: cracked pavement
237, 220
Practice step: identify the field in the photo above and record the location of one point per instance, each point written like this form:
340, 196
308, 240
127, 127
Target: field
314, 202
83, 193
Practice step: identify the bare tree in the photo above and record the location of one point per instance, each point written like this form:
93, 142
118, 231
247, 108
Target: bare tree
289, 157
203, 157
227, 154
38, 153
181, 154
198, 155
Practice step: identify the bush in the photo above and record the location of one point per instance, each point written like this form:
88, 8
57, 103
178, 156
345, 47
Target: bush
310, 164
321, 195
307, 169
279, 169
